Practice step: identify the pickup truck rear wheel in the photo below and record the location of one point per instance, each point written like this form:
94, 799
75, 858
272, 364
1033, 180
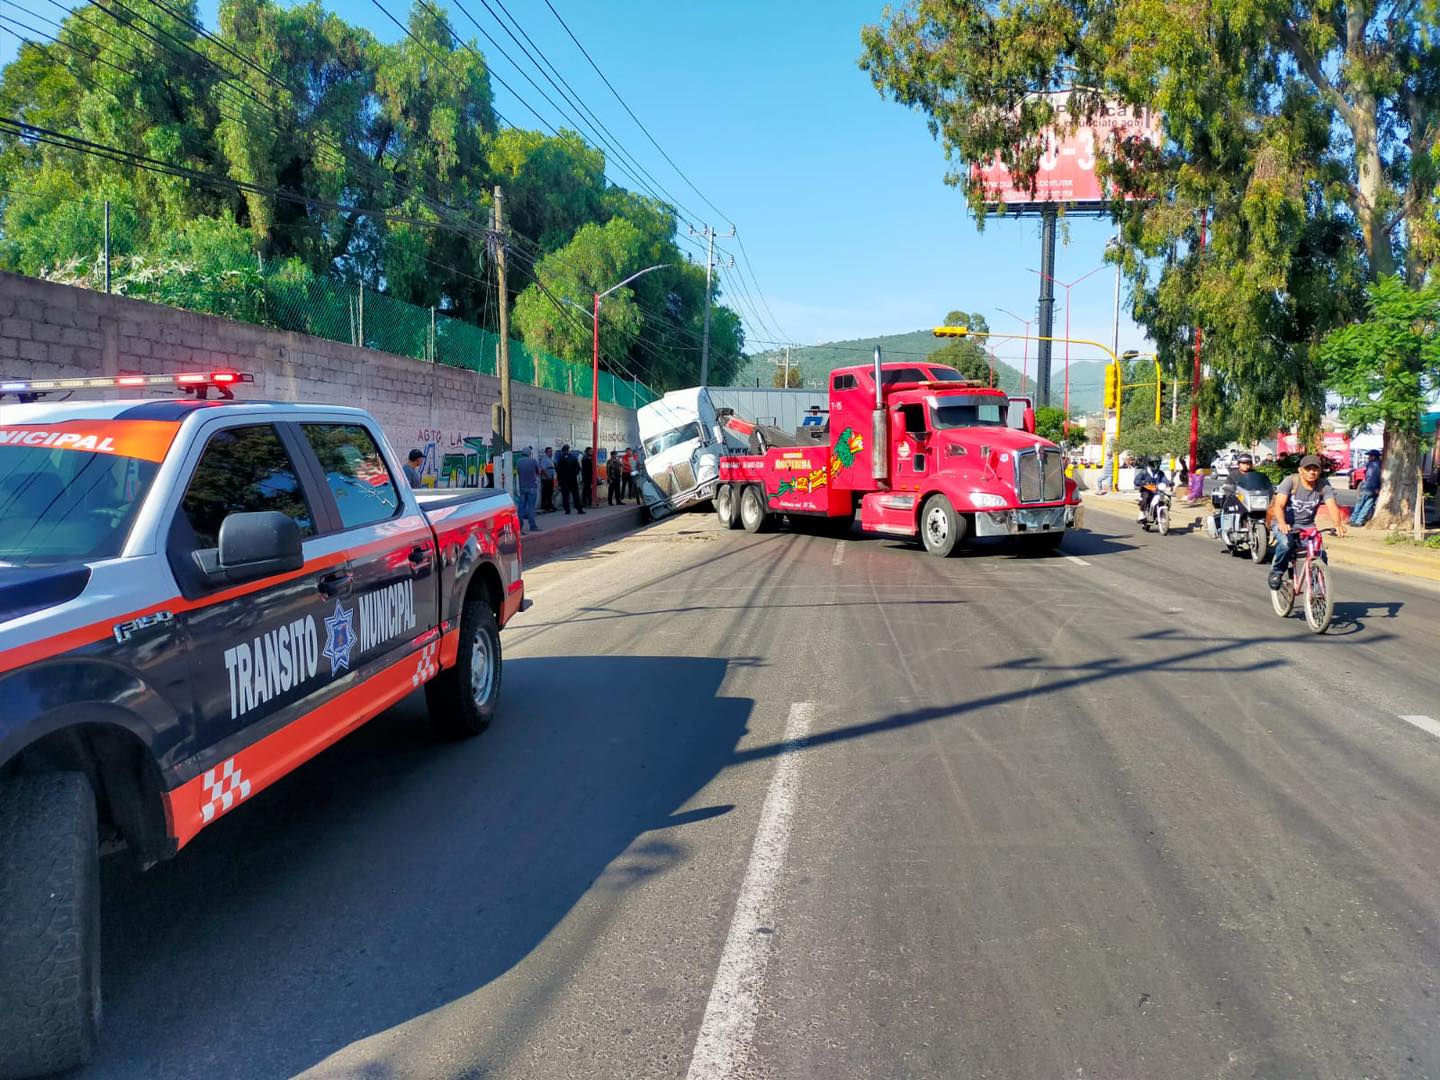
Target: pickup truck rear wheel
49, 923
752, 509
941, 528
462, 698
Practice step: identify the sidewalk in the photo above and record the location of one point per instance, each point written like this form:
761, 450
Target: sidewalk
560, 531
1363, 549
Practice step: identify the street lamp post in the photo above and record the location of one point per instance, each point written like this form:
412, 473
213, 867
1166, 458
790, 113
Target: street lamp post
1025, 371
1066, 338
595, 378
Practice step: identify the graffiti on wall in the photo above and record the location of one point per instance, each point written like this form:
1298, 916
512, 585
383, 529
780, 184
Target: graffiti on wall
452, 459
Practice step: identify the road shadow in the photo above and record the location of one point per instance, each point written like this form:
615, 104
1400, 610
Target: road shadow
397, 873
1349, 615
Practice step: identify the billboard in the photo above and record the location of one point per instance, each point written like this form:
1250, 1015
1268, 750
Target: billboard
1334, 446
1067, 163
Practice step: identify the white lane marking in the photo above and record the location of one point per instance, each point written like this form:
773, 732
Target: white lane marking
1424, 723
839, 556
1077, 559
729, 1025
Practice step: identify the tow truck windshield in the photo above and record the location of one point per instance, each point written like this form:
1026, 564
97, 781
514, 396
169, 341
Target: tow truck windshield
67, 505
975, 410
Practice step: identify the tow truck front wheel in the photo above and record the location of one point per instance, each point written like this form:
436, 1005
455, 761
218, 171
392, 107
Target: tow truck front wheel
462, 698
941, 528
752, 509
49, 923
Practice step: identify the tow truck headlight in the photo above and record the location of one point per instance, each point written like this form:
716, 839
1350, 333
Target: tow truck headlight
983, 499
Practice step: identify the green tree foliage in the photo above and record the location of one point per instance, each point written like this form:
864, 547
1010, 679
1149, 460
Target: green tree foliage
1306, 134
1050, 424
400, 140
1384, 368
966, 355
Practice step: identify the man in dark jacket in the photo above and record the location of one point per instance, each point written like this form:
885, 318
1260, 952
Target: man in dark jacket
587, 477
567, 474
1369, 490
614, 479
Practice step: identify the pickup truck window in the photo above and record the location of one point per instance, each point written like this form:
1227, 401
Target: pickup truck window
67, 505
242, 470
356, 472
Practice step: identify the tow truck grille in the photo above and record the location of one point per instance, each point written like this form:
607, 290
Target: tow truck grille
1039, 476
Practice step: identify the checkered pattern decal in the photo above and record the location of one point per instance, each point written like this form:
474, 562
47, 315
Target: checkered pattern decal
224, 786
428, 666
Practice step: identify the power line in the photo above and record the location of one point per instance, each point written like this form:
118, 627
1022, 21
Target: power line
633, 117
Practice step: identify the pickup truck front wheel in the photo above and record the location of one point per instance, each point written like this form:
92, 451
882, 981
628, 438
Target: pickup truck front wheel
49, 923
462, 698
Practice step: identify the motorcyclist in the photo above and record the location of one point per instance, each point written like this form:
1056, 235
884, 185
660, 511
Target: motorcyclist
1147, 478
1244, 478
1296, 500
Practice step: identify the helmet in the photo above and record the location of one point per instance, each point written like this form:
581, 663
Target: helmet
1153, 462
1245, 459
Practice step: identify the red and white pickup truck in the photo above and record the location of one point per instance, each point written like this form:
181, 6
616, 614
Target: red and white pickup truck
196, 597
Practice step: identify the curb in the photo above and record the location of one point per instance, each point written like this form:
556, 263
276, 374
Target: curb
536, 547
1404, 563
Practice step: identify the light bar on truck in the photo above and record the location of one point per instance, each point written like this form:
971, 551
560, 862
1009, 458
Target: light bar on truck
192, 382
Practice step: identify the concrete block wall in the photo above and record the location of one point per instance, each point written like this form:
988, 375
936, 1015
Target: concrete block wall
58, 331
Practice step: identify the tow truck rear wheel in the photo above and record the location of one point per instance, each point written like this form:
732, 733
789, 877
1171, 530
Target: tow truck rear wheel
49, 923
462, 698
941, 528
752, 509
725, 507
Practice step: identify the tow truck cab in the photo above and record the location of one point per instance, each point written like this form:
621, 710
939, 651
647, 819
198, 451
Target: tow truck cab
923, 453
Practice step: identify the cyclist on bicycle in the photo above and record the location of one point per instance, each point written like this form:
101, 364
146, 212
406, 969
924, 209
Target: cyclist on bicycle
1296, 501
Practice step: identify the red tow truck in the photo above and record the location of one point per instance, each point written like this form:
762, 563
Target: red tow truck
907, 449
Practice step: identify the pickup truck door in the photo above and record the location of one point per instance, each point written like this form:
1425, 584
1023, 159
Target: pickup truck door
395, 596
260, 652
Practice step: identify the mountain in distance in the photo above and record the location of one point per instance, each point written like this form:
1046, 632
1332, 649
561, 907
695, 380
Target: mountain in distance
1087, 377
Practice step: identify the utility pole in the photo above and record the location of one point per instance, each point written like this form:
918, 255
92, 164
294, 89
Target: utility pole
1047, 305
107, 245
709, 234
503, 366
784, 365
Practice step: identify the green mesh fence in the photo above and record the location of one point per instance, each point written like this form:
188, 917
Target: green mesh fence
364, 317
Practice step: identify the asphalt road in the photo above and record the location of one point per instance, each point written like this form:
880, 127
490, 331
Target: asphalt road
838, 809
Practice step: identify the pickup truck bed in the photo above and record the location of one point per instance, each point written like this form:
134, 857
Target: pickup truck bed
197, 597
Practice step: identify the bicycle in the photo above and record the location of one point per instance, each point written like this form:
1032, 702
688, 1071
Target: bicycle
1307, 577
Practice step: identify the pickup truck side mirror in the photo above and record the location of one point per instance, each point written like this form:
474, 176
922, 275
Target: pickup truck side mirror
1029, 420
259, 544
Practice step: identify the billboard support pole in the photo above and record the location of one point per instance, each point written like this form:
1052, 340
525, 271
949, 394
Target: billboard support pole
1047, 303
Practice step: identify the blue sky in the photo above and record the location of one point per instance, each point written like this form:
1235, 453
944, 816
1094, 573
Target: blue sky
837, 194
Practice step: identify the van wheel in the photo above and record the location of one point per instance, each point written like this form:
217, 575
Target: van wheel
49, 923
941, 528
462, 698
752, 509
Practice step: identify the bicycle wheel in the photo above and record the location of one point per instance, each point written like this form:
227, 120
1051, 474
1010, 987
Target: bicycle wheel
1319, 604
1283, 598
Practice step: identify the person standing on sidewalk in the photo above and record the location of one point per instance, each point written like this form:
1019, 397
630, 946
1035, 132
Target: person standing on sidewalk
527, 486
567, 473
614, 480
414, 464
547, 481
1369, 490
587, 477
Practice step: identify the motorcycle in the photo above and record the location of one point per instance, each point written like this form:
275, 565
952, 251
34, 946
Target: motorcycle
1158, 512
1239, 521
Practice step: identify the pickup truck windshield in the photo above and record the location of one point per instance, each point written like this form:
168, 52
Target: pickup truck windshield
67, 505
976, 411
660, 443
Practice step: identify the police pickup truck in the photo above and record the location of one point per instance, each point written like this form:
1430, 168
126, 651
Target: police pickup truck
197, 595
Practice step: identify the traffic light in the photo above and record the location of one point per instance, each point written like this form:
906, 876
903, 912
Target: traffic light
1112, 386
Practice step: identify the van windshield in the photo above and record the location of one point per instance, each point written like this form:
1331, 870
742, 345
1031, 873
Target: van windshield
67, 505
657, 444
954, 411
